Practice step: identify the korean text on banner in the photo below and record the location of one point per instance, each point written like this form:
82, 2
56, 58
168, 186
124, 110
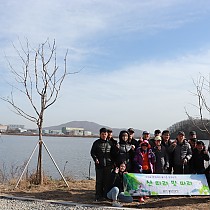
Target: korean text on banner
165, 184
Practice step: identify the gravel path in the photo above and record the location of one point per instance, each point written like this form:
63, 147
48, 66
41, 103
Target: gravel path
9, 203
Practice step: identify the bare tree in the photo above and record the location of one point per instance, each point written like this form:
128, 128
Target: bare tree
202, 95
40, 82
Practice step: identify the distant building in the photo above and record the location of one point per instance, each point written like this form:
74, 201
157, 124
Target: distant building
20, 130
32, 131
44, 131
87, 133
56, 132
3, 128
15, 127
59, 132
73, 131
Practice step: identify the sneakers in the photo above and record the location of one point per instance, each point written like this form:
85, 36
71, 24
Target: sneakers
141, 199
116, 204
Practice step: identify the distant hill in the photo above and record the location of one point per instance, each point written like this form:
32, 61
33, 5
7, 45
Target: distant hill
188, 125
91, 126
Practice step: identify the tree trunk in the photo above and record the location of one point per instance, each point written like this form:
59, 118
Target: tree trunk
39, 175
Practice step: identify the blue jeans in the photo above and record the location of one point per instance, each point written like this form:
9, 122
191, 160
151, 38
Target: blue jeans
115, 194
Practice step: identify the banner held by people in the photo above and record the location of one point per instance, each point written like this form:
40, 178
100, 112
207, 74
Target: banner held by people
165, 184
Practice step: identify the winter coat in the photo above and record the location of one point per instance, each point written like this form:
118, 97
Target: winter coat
197, 161
180, 152
162, 160
138, 160
117, 181
102, 150
170, 155
133, 142
112, 141
124, 153
166, 144
152, 143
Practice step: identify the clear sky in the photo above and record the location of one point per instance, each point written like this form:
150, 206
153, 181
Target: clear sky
138, 58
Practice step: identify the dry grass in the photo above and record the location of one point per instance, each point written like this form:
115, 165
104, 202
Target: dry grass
83, 192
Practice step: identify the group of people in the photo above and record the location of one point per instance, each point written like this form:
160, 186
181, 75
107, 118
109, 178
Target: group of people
159, 155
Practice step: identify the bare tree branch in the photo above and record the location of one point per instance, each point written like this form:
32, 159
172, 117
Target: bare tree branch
202, 92
38, 78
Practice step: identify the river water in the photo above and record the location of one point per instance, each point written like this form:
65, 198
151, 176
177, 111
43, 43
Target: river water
71, 154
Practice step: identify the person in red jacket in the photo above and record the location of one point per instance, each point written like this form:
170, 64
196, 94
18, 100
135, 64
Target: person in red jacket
144, 161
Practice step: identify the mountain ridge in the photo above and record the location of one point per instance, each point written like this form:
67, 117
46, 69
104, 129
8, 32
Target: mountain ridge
91, 126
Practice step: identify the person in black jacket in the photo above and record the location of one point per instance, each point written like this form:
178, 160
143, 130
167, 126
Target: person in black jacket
110, 137
192, 139
181, 154
166, 142
132, 140
116, 191
125, 151
101, 154
207, 173
135, 143
200, 154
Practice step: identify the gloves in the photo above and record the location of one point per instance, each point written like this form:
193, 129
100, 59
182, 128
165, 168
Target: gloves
184, 161
140, 169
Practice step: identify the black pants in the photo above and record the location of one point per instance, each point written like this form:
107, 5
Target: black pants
208, 179
146, 171
102, 181
180, 169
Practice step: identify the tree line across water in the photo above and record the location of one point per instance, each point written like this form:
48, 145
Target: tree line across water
201, 128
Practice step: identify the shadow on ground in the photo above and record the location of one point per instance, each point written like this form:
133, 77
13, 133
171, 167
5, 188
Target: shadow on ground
78, 196
161, 202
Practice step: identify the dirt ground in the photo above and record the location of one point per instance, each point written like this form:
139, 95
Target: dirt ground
83, 192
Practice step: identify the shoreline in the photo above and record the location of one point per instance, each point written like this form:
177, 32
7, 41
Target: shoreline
48, 135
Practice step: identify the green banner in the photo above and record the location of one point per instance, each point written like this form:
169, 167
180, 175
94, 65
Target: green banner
165, 184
